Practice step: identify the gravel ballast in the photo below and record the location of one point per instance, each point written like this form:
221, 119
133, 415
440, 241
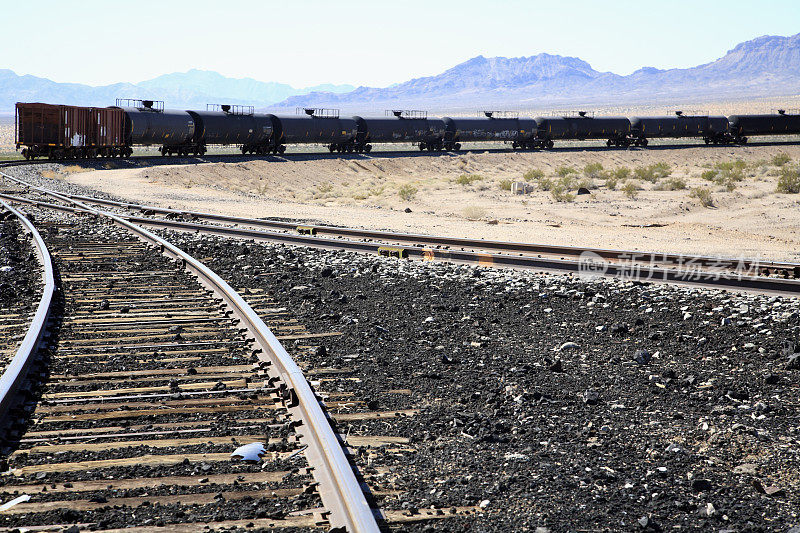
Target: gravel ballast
548, 401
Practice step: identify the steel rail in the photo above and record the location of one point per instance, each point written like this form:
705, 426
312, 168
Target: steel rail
338, 486
14, 375
700, 278
438, 240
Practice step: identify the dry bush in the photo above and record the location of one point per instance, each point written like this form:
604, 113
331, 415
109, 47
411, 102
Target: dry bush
545, 184
505, 185
49, 174
672, 184
593, 170
586, 183
407, 192
468, 179
533, 174
703, 195
611, 182
789, 180
621, 173
565, 171
630, 189
726, 174
780, 159
473, 212
560, 192
325, 188
653, 173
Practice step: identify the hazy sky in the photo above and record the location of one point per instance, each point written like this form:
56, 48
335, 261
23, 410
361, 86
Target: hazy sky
376, 43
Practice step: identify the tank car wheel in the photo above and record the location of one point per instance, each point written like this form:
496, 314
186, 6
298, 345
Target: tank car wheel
550, 144
744, 140
281, 148
644, 142
457, 146
331, 148
368, 148
422, 147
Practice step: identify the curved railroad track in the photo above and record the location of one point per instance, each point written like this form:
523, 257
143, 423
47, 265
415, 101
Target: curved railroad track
703, 271
158, 369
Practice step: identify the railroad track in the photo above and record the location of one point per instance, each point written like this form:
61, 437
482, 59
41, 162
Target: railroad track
157, 371
703, 271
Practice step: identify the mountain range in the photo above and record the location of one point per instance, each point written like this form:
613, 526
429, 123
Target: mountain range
765, 66
192, 89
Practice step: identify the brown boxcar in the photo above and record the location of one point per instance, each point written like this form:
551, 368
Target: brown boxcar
68, 132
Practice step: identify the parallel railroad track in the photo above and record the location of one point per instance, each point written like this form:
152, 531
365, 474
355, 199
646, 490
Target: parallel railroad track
704, 271
157, 370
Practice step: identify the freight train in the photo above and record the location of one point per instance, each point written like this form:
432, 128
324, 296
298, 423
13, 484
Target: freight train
71, 132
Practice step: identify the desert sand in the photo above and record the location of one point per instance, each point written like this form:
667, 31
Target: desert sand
752, 220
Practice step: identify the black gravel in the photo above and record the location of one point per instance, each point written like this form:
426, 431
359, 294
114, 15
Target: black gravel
18, 266
550, 401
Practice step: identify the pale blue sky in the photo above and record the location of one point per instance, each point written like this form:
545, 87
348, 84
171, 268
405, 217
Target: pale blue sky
306, 42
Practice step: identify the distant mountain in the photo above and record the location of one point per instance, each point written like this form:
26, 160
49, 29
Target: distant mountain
204, 84
766, 66
181, 89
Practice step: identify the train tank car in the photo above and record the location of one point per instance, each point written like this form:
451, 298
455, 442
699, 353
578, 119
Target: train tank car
582, 126
319, 126
147, 123
234, 125
711, 128
403, 127
519, 133
780, 123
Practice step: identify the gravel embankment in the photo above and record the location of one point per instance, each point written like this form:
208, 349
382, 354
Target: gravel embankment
548, 401
19, 285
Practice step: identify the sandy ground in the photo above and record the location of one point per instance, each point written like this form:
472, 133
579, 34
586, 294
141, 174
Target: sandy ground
752, 220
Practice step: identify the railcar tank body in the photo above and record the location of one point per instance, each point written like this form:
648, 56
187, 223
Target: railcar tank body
511, 130
253, 132
678, 126
780, 123
172, 129
581, 127
428, 133
337, 132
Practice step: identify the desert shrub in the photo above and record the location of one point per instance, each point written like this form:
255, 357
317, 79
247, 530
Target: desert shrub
621, 173
565, 171
630, 189
468, 179
703, 195
593, 170
789, 180
545, 184
533, 174
407, 192
709, 175
727, 166
505, 185
377, 191
473, 212
652, 173
360, 196
611, 182
560, 192
49, 174
325, 187
569, 181
672, 184
726, 174
780, 159
586, 183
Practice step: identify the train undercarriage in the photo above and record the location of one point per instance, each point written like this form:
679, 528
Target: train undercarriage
33, 152
350, 147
